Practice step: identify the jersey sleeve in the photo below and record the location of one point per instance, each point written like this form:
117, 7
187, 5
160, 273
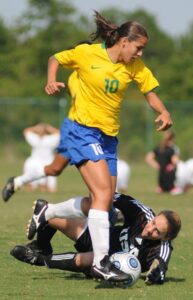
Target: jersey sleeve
128, 206
143, 77
70, 58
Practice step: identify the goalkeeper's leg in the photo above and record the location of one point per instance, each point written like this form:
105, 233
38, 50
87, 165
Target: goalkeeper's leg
70, 261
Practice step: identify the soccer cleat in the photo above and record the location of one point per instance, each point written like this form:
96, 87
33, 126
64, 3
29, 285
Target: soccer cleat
38, 218
109, 272
8, 189
27, 255
44, 251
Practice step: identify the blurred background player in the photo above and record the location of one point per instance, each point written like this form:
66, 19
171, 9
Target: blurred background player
123, 176
184, 175
61, 157
164, 158
43, 139
56, 164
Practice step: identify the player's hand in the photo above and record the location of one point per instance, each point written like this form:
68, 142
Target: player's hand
155, 274
163, 121
54, 87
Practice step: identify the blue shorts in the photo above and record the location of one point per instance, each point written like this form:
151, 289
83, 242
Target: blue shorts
89, 143
62, 147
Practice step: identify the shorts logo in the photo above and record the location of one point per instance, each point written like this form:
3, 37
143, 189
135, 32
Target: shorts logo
97, 149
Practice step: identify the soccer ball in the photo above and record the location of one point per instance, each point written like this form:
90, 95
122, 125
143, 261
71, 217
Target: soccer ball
127, 263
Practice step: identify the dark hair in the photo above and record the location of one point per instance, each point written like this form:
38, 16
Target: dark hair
174, 223
111, 33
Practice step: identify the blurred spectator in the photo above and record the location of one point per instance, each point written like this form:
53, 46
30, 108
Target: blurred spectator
123, 176
184, 174
43, 138
164, 159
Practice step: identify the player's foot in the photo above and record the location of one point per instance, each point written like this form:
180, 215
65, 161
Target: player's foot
8, 189
44, 251
27, 255
109, 272
38, 218
176, 191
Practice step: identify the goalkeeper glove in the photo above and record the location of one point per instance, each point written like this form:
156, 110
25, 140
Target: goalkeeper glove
155, 275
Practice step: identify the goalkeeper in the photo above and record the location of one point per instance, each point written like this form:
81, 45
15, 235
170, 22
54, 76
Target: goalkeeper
142, 233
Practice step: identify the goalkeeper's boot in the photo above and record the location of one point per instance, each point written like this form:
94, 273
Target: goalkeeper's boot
27, 255
38, 218
8, 189
35, 247
108, 271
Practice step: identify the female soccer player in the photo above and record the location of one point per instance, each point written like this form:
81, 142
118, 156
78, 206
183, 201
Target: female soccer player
142, 233
104, 72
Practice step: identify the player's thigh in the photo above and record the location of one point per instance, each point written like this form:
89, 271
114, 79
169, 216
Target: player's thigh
72, 228
98, 179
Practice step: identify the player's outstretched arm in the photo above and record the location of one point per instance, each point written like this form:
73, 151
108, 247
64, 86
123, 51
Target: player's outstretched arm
163, 121
53, 86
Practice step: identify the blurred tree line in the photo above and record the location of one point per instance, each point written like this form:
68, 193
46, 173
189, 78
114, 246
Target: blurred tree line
49, 26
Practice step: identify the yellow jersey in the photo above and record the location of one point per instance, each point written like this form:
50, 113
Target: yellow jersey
102, 85
73, 88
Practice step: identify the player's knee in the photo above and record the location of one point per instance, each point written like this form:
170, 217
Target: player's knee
102, 198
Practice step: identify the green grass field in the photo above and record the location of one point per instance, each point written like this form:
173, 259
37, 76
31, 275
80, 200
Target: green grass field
21, 281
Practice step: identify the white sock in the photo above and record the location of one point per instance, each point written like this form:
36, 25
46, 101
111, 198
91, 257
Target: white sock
65, 210
98, 224
19, 181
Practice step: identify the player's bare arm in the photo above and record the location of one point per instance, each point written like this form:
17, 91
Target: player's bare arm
163, 121
53, 86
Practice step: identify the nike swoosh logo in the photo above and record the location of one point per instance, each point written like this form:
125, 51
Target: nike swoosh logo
36, 221
94, 67
106, 276
36, 218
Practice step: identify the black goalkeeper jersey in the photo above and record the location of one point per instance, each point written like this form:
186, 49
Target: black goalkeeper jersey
126, 237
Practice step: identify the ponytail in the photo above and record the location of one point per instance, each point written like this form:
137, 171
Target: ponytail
111, 33
105, 30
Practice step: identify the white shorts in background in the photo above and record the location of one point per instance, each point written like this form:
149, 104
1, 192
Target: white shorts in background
123, 175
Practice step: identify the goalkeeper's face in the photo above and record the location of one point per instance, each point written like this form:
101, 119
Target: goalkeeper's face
156, 229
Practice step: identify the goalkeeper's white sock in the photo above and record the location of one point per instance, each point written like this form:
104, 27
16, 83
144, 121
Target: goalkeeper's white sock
19, 181
65, 210
98, 224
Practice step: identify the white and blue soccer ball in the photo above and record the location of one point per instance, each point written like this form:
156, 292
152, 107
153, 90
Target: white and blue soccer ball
127, 263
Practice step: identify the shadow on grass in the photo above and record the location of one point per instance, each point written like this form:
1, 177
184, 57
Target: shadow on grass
81, 277
99, 284
169, 279
66, 276
174, 279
